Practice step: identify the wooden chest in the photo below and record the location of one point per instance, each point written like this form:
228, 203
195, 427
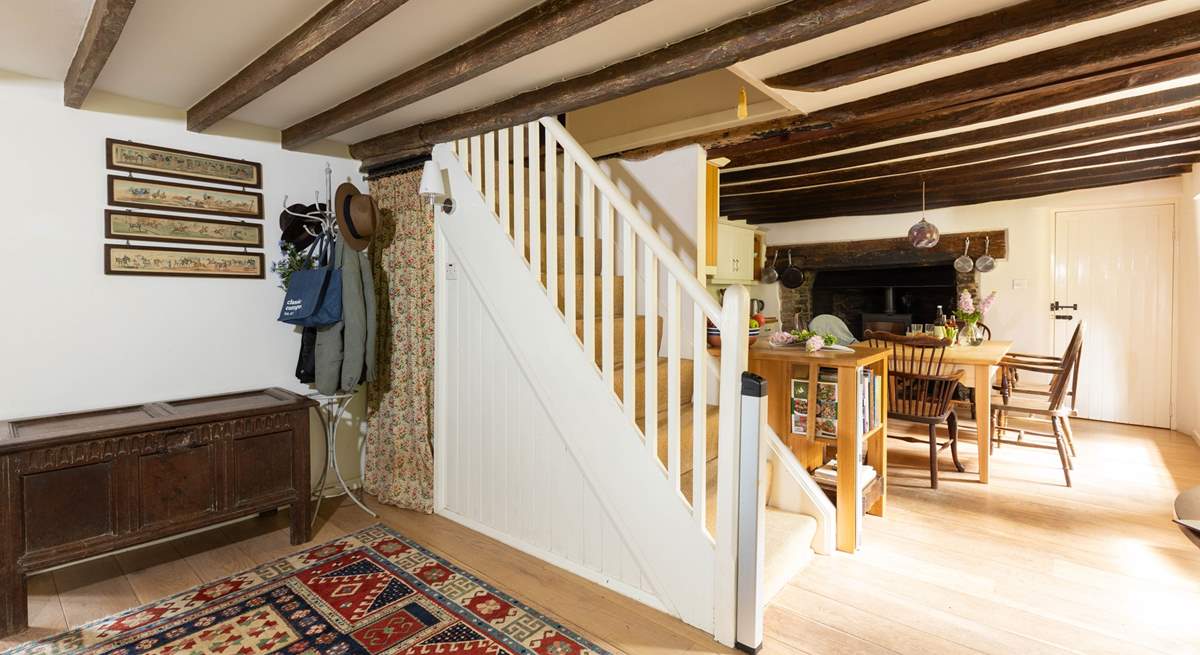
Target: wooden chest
74, 486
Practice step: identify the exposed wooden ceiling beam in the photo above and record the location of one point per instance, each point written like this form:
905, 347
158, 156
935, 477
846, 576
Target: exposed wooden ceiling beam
1146, 102
532, 30
768, 30
1006, 154
335, 24
985, 110
982, 173
100, 36
969, 35
973, 194
1163, 50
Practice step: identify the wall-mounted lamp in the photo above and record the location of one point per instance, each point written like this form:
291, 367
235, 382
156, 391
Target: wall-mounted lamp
433, 187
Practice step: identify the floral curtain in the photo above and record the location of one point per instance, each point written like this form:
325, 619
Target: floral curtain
399, 449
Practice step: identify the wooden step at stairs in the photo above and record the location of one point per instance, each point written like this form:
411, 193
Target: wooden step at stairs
598, 301
639, 331
686, 383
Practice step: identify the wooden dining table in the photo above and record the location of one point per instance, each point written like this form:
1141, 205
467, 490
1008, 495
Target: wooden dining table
980, 364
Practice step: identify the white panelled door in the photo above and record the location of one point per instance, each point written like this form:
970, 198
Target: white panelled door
1113, 269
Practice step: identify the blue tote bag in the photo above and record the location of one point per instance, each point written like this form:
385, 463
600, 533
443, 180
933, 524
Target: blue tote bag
314, 296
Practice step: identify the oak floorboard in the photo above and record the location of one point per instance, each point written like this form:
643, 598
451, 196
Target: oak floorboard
157, 571
212, 556
46, 616
603, 615
93, 590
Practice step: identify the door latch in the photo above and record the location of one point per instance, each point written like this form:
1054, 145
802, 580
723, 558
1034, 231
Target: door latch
1063, 317
1055, 306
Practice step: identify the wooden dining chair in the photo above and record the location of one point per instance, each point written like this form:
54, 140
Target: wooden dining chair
921, 390
1052, 406
1016, 386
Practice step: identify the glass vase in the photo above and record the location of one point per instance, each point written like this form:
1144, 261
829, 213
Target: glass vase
971, 334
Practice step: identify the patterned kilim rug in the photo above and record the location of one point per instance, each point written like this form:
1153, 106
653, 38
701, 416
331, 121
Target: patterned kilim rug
373, 592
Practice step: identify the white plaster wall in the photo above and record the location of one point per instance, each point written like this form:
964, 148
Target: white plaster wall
668, 191
72, 338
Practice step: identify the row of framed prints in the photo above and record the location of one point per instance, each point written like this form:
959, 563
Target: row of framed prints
137, 193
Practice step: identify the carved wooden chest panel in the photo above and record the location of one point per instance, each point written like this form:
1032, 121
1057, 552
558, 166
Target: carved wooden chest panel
74, 486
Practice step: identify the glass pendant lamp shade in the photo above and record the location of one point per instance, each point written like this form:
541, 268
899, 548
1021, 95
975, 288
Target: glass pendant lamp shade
923, 234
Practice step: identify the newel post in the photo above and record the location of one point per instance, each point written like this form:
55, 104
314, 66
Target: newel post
735, 317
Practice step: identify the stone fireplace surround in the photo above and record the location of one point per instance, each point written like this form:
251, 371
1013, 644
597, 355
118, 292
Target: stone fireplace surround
813, 258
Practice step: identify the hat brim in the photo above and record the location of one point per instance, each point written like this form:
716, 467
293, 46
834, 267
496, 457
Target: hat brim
292, 229
341, 205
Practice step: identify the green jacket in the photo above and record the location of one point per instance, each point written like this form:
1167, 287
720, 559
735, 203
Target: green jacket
346, 350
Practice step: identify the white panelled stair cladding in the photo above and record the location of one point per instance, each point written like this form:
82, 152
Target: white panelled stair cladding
572, 385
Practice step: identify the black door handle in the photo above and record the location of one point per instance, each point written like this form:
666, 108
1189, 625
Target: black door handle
1063, 317
1057, 306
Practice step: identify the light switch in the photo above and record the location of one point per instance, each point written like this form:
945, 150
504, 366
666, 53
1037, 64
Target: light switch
451, 271
1020, 284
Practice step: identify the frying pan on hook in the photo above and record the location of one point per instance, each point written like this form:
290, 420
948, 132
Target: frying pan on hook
791, 277
770, 274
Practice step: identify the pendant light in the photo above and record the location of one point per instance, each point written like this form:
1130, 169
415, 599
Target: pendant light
923, 234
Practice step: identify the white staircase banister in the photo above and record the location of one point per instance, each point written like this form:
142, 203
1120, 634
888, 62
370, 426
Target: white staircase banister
667, 258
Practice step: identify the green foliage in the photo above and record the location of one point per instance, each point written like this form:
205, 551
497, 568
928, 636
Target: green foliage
293, 260
805, 335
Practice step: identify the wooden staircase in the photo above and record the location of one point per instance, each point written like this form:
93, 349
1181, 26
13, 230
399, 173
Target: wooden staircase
622, 358
638, 314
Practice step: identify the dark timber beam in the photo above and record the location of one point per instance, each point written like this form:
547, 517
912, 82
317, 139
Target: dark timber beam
335, 24
1147, 102
1007, 154
984, 173
768, 30
1164, 50
988, 109
969, 35
100, 36
973, 194
532, 30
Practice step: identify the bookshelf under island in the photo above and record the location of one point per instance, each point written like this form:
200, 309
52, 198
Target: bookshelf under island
832, 405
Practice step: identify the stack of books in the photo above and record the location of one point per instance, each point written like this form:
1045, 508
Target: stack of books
828, 474
870, 407
870, 388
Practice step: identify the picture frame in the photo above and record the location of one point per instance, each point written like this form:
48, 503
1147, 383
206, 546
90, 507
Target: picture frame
136, 157
182, 262
138, 226
141, 193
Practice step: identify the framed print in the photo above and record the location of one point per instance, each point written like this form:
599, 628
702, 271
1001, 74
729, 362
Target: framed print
150, 194
120, 224
181, 262
169, 162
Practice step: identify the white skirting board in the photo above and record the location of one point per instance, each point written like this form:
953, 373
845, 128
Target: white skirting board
556, 560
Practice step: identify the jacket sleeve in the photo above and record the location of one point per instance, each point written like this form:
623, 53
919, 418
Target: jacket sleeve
354, 313
368, 283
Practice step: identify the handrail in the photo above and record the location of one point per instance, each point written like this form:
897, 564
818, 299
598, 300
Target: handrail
669, 259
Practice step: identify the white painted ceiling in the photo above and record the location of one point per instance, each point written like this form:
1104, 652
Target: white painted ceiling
174, 52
